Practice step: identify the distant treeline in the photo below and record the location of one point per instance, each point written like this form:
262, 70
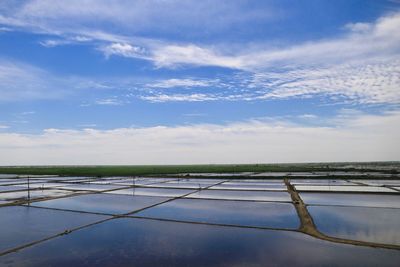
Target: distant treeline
174, 169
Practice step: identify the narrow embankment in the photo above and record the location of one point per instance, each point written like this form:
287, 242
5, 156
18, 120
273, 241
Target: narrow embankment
308, 227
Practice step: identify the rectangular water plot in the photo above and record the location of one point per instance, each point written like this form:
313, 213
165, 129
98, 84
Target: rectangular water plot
247, 186
22, 225
142, 242
242, 195
328, 182
161, 192
33, 194
378, 182
130, 181
12, 181
344, 188
377, 225
187, 185
346, 199
241, 213
102, 203
256, 182
198, 180
5, 188
5, 176
41, 185
90, 187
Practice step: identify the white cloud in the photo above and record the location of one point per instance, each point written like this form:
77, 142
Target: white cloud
65, 41
360, 137
361, 66
124, 49
180, 98
359, 27
109, 102
157, 16
374, 82
308, 116
2, 127
172, 83
174, 55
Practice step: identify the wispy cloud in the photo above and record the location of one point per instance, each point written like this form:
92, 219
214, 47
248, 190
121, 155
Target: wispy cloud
109, 102
179, 98
67, 40
133, 16
173, 83
353, 137
20, 81
360, 66
125, 50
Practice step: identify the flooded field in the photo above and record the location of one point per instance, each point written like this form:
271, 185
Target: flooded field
177, 221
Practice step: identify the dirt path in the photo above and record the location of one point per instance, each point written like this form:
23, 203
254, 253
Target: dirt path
308, 227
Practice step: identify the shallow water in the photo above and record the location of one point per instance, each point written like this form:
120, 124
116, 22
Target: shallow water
91, 187
5, 188
242, 213
33, 194
247, 186
319, 182
21, 225
12, 181
187, 185
378, 225
242, 195
344, 188
139, 242
161, 192
346, 199
41, 185
101, 203
4, 176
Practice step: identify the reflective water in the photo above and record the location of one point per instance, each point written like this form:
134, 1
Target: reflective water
139, 191
366, 200
139, 242
41, 185
319, 182
5, 188
7, 176
247, 186
12, 181
101, 203
347, 188
33, 194
217, 174
188, 185
379, 182
197, 180
242, 195
91, 187
243, 213
377, 225
22, 225
256, 182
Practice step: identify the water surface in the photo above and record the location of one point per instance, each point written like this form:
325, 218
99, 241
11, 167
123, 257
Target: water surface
346, 199
21, 225
378, 225
242, 195
242, 213
140, 242
101, 203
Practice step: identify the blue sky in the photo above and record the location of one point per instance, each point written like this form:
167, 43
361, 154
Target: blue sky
163, 81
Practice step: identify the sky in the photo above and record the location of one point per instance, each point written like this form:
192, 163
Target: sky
185, 82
